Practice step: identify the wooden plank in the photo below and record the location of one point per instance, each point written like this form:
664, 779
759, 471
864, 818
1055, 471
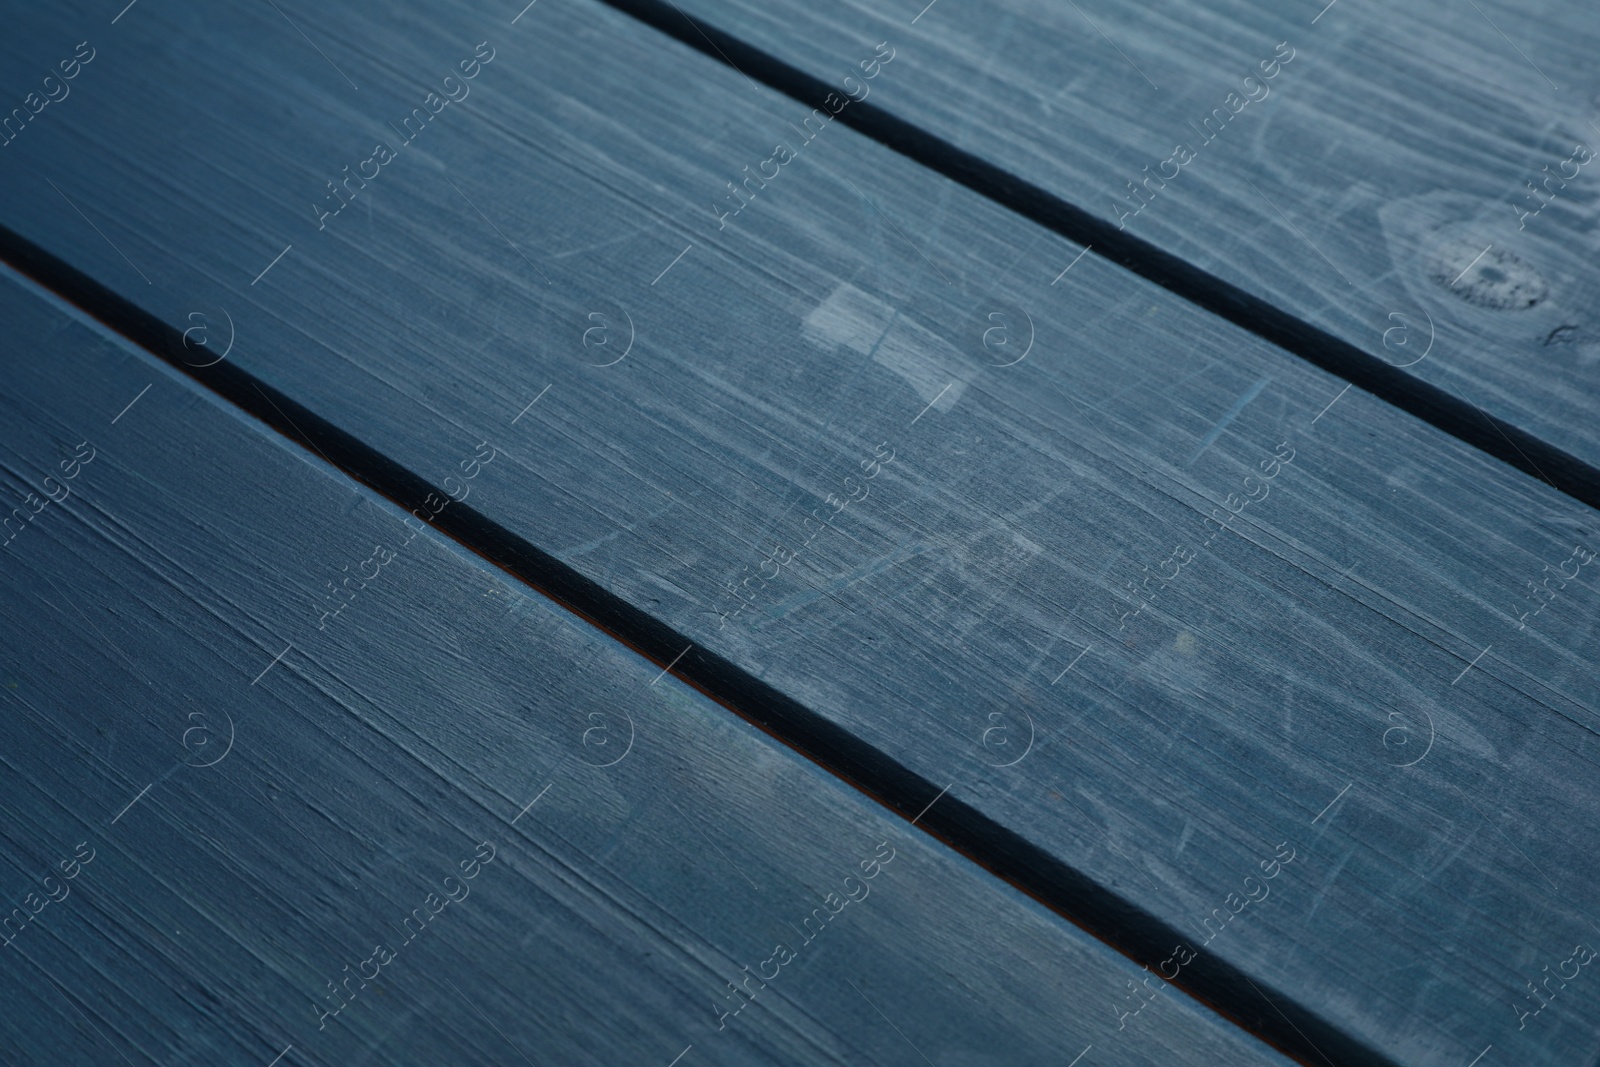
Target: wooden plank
848, 312
1409, 180
230, 804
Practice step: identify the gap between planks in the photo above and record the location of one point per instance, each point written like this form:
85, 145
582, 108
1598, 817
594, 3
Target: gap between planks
1451, 414
1025, 865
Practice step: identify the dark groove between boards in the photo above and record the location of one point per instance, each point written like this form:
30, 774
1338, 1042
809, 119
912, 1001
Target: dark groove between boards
1452, 413
1291, 1027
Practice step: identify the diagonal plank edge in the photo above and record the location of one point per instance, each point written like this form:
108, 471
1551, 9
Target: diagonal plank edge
1450, 413
1291, 1027
446, 711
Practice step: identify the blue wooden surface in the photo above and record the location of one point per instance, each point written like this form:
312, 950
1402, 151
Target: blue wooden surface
1354, 665
237, 804
1412, 177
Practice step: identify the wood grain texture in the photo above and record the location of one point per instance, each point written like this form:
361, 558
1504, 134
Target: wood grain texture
1356, 188
261, 800
1368, 607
